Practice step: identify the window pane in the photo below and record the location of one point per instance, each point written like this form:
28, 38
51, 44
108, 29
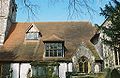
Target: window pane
59, 45
47, 47
35, 36
51, 46
51, 53
83, 59
47, 53
81, 67
29, 36
32, 35
86, 67
59, 52
55, 52
55, 46
53, 49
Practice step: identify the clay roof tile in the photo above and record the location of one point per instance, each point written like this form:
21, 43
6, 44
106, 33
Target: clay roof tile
72, 33
54, 38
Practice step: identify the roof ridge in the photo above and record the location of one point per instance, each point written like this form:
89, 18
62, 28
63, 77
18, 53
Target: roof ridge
55, 22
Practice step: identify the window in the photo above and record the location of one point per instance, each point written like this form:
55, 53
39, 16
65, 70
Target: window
97, 69
83, 65
117, 57
55, 49
32, 36
33, 33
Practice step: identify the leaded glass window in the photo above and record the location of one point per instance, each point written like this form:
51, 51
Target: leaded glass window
83, 65
54, 49
32, 36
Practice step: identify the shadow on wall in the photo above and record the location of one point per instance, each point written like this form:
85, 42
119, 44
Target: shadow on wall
115, 73
108, 73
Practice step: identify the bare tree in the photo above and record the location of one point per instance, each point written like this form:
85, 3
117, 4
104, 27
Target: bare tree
75, 7
30, 8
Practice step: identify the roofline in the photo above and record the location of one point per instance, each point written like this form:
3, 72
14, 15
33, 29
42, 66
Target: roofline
29, 61
55, 22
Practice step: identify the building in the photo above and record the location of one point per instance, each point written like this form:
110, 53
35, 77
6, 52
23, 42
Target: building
110, 57
45, 49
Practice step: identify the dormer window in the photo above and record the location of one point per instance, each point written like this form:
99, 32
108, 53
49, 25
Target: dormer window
32, 33
32, 36
54, 47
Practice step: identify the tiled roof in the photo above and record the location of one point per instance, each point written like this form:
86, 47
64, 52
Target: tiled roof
54, 38
16, 48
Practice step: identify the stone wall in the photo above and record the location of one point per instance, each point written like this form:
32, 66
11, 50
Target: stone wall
80, 75
83, 51
108, 53
7, 17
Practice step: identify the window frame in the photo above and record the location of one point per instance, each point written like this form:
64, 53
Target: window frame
49, 43
33, 33
83, 65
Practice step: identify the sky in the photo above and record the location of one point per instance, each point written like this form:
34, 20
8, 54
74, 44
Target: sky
49, 11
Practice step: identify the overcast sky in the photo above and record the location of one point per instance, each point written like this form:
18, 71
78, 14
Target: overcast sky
50, 11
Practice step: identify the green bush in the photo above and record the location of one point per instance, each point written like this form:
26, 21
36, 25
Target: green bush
48, 69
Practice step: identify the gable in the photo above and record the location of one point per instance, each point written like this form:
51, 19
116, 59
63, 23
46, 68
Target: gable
32, 33
82, 50
32, 28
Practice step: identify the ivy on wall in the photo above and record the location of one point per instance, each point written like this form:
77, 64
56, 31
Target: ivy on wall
45, 69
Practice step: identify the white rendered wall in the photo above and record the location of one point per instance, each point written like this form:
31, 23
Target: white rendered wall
70, 67
15, 68
23, 70
25, 66
63, 69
